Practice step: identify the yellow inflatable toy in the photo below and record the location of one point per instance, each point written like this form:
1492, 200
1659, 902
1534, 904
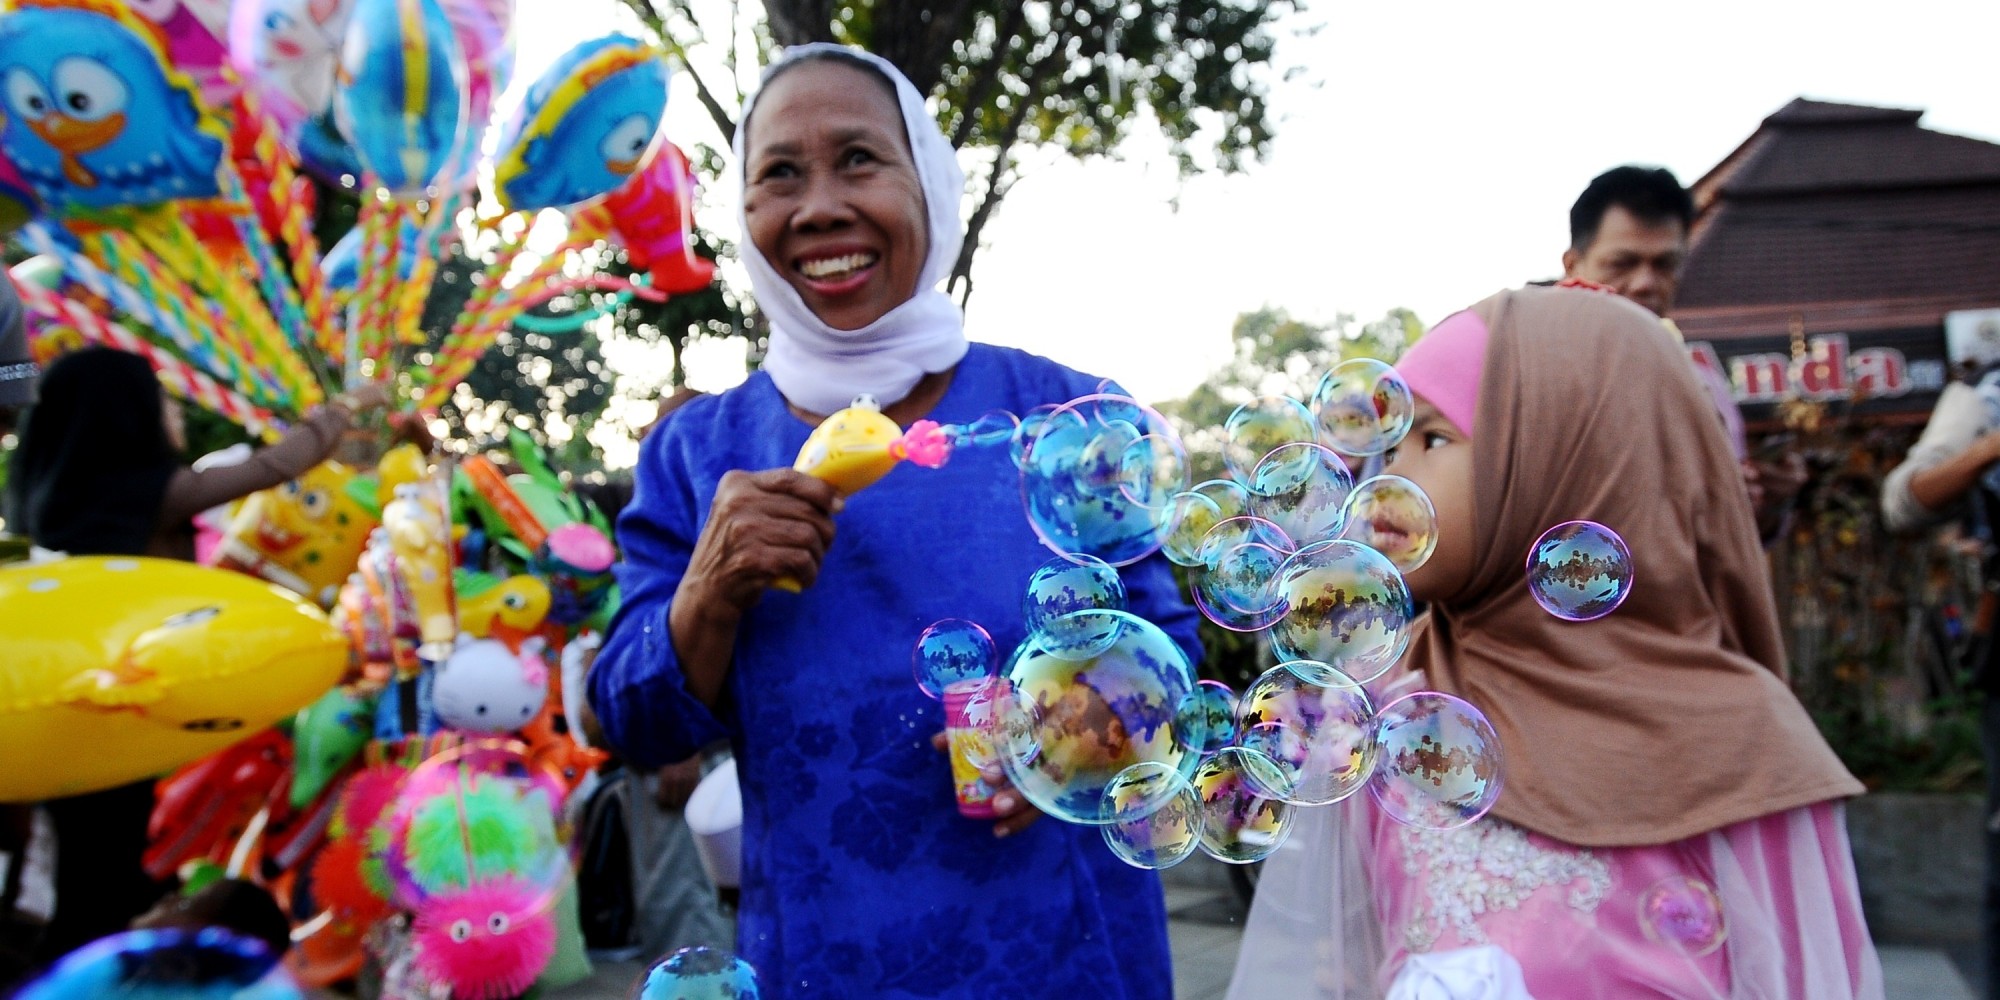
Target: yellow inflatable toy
306, 535
421, 540
118, 669
517, 603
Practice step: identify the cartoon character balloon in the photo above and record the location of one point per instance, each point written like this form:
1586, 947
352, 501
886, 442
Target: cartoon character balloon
400, 96
654, 215
486, 687
95, 118
584, 127
289, 50
305, 535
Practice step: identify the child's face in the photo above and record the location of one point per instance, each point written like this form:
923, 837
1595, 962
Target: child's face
1437, 456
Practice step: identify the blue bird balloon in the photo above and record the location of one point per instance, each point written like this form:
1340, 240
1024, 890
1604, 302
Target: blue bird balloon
584, 127
95, 119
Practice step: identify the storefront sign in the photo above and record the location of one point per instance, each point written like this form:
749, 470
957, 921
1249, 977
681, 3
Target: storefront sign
1880, 372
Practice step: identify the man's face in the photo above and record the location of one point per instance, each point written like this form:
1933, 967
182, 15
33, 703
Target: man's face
1642, 261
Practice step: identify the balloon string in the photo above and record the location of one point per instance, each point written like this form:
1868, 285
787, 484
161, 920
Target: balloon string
239, 860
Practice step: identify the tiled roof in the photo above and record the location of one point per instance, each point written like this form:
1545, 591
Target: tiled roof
1835, 202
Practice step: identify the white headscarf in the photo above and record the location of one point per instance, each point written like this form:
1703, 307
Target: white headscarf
821, 369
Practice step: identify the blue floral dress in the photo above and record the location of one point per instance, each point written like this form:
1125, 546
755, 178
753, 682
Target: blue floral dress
860, 878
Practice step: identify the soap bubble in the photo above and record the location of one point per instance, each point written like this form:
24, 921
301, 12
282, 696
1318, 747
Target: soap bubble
1684, 913
1238, 824
1343, 604
953, 651
1393, 516
1062, 586
1233, 585
992, 427
1258, 428
1302, 488
1440, 765
1030, 428
1207, 717
1363, 406
1152, 471
699, 973
1183, 523
1579, 571
1074, 481
1155, 816
1316, 729
1078, 718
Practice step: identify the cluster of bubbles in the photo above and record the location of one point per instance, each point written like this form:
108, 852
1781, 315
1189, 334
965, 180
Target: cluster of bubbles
1096, 718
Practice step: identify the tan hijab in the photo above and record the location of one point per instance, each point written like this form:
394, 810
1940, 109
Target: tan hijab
1671, 716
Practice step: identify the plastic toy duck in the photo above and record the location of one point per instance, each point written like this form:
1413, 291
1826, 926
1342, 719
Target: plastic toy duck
857, 446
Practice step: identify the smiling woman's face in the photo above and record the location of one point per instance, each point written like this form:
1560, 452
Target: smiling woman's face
1437, 456
831, 192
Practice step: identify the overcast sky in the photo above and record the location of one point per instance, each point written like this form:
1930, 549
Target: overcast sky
1427, 157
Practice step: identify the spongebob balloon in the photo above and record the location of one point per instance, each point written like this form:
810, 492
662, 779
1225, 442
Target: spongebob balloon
306, 534
94, 116
584, 127
119, 669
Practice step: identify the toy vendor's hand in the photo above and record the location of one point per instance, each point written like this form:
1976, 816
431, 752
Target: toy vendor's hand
1015, 813
763, 527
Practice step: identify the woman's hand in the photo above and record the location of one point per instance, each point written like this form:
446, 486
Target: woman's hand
1014, 814
763, 527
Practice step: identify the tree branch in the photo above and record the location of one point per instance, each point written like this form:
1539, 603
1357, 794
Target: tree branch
653, 19
981, 90
997, 184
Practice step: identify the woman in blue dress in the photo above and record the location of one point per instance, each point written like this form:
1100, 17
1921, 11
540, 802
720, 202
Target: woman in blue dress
860, 878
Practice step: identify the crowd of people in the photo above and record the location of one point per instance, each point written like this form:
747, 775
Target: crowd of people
1662, 743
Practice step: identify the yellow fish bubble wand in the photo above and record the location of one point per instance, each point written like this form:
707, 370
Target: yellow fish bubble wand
857, 446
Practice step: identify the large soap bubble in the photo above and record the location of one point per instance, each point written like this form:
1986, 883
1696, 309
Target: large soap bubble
1155, 816
1315, 727
953, 651
1087, 462
1074, 715
1440, 765
1579, 571
1260, 427
1302, 488
1065, 586
1240, 557
1207, 717
1364, 407
1393, 516
1344, 604
1239, 824
699, 973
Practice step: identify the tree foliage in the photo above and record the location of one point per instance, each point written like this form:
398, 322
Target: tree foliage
1079, 75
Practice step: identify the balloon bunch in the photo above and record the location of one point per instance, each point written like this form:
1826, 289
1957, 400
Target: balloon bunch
155, 158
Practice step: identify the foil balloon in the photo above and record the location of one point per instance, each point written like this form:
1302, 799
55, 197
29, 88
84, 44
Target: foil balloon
654, 215
202, 810
400, 96
488, 687
327, 735
167, 964
195, 31
584, 127
305, 535
289, 52
18, 205
341, 264
95, 116
576, 561
148, 663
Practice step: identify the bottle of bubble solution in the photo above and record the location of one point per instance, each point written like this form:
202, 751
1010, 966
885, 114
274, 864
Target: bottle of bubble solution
968, 711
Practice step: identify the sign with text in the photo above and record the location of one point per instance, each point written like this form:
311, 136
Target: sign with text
1882, 372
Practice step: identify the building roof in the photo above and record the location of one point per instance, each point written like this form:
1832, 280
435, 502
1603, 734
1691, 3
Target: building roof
1843, 203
